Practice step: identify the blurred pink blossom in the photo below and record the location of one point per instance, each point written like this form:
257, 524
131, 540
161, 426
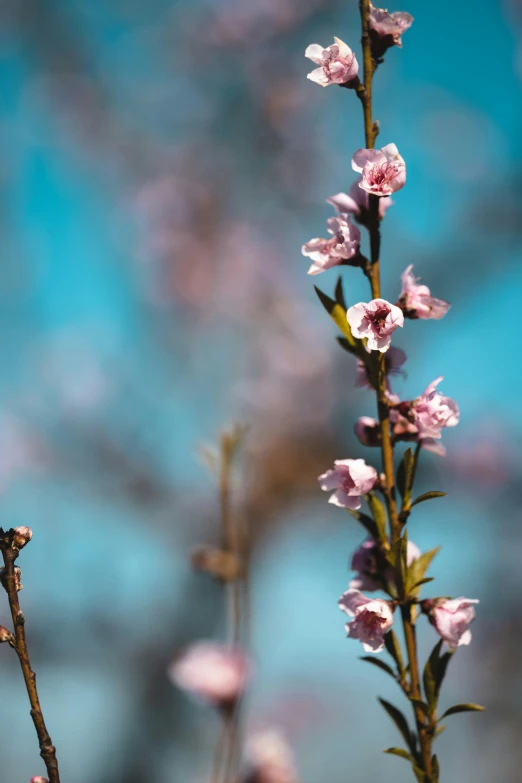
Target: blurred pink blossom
350, 479
369, 562
343, 245
355, 202
376, 321
269, 759
337, 63
368, 431
431, 412
372, 618
393, 361
451, 618
383, 171
216, 673
416, 300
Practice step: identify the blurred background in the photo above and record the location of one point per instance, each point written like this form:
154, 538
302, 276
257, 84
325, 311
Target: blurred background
161, 165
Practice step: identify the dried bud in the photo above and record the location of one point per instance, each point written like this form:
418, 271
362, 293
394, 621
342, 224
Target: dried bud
22, 536
221, 565
368, 431
18, 578
5, 635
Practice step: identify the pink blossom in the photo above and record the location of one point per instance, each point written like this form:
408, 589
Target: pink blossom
269, 759
383, 171
386, 29
39, 779
343, 245
368, 431
369, 563
372, 618
393, 361
451, 618
355, 202
416, 300
375, 320
337, 63
214, 672
350, 479
431, 412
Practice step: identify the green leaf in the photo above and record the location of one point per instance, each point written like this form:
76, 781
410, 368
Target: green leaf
393, 647
343, 342
423, 582
379, 515
399, 752
419, 774
462, 708
339, 293
337, 314
380, 664
428, 496
421, 705
418, 568
366, 521
405, 473
439, 730
435, 768
401, 723
434, 673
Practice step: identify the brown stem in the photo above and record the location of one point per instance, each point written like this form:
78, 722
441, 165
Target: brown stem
424, 731
47, 749
373, 273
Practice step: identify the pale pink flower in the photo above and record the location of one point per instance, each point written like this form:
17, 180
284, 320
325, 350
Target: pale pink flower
375, 320
383, 171
386, 29
343, 245
368, 431
337, 63
370, 564
372, 618
431, 412
393, 361
350, 479
269, 759
416, 300
216, 673
451, 617
39, 779
355, 202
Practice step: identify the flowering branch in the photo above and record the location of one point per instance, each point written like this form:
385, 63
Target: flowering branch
386, 561
11, 542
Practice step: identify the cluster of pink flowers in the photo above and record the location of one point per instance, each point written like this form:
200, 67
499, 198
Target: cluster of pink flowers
382, 172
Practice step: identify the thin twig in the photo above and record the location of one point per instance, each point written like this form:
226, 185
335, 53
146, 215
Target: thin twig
47, 750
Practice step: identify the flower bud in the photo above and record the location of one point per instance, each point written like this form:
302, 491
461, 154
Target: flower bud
38, 779
18, 578
22, 536
451, 618
368, 431
5, 635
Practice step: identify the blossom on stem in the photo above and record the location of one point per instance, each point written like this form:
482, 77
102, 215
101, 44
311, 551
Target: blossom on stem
343, 246
216, 673
355, 202
383, 171
368, 431
371, 567
386, 29
39, 779
393, 361
350, 479
416, 301
372, 618
337, 63
432, 411
375, 320
269, 759
451, 618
